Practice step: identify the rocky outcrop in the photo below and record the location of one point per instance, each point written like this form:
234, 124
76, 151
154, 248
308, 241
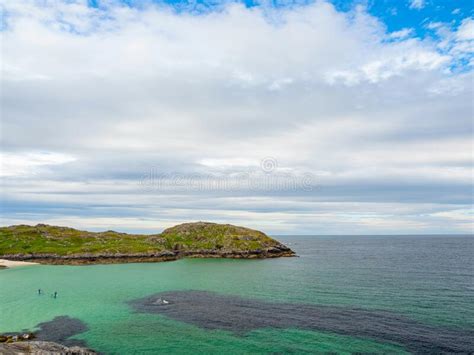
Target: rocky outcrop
10, 338
52, 337
103, 258
114, 258
42, 348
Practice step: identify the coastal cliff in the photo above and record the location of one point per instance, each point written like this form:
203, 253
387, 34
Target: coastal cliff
62, 245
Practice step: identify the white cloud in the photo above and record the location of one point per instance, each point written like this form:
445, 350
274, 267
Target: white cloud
401, 34
466, 30
417, 4
457, 42
31, 163
116, 92
394, 61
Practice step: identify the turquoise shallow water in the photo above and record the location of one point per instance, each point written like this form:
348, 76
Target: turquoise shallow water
429, 279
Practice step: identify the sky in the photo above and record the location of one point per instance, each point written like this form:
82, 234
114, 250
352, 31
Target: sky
289, 116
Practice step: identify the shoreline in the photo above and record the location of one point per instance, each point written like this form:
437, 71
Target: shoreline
91, 259
7, 264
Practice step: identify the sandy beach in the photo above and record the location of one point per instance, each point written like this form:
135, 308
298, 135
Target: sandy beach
11, 263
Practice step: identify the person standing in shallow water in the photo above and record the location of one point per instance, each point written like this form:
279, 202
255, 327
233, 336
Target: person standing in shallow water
55, 294
39, 291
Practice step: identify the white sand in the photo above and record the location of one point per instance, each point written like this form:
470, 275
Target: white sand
11, 263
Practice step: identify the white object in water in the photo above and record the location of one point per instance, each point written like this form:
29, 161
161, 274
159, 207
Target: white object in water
161, 301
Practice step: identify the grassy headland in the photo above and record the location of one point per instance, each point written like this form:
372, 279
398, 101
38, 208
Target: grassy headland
63, 245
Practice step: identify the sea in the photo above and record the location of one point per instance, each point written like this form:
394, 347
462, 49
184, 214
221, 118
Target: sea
342, 294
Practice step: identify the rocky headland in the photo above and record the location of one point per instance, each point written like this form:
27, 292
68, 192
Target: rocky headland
47, 244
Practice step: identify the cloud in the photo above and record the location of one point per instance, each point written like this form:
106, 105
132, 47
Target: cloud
31, 163
417, 4
401, 34
457, 42
94, 99
466, 30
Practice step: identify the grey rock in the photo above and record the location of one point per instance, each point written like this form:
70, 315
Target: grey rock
42, 348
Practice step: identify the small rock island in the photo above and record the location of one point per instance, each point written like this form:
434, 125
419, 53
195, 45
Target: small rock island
48, 244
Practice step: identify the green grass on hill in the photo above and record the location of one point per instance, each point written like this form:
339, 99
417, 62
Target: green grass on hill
202, 235
46, 239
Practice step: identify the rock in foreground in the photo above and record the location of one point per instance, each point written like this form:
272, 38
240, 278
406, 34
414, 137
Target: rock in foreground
52, 337
42, 348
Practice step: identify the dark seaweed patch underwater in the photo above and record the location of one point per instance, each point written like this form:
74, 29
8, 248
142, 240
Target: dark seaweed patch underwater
210, 310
